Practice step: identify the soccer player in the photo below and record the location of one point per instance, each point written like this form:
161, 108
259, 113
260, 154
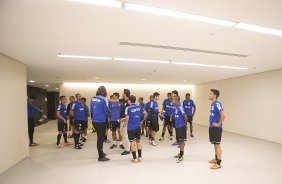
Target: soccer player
114, 107
143, 126
174, 93
155, 114
167, 109
190, 109
62, 122
133, 115
217, 117
123, 126
30, 110
78, 113
85, 122
180, 126
148, 119
71, 122
100, 113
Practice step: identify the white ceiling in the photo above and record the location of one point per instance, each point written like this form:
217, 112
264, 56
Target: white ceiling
34, 31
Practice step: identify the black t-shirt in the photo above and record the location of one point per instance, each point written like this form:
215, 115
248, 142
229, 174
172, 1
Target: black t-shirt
123, 104
69, 108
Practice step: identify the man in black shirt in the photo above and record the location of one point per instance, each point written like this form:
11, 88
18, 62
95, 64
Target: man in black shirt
71, 122
123, 127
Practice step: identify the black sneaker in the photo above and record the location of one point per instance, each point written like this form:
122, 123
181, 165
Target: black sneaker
113, 146
103, 159
83, 139
125, 152
80, 144
122, 146
77, 147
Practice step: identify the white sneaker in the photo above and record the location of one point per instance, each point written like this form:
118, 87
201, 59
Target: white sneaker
60, 146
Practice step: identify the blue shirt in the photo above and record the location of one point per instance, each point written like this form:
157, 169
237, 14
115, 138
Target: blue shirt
134, 113
99, 108
86, 110
63, 112
178, 114
188, 106
143, 106
32, 109
79, 111
147, 109
167, 105
115, 110
154, 108
216, 108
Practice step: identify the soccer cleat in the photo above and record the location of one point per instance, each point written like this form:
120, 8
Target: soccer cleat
80, 144
216, 166
180, 159
122, 146
140, 159
104, 159
125, 152
77, 147
213, 161
161, 139
59, 146
113, 146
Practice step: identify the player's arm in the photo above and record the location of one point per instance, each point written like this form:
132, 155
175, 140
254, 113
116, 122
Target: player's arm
61, 117
185, 118
222, 118
194, 110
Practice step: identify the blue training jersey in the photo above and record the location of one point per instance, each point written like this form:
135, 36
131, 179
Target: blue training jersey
32, 109
86, 110
178, 114
115, 110
79, 111
147, 109
63, 112
99, 109
167, 105
134, 113
188, 106
154, 108
216, 108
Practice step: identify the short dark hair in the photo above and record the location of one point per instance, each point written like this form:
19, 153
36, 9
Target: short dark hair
175, 92
102, 91
61, 97
76, 94
32, 97
177, 97
111, 96
156, 94
168, 94
126, 92
141, 98
116, 94
132, 98
71, 96
187, 94
83, 98
215, 92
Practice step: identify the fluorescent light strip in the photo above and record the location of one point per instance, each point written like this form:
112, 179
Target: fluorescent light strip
171, 13
141, 60
193, 64
233, 67
259, 29
31, 81
110, 3
84, 57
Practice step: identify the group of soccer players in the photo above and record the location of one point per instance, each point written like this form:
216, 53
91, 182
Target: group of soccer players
129, 120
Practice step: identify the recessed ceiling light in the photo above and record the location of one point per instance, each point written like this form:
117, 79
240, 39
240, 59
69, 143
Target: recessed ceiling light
110, 3
259, 29
143, 79
46, 85
184, 80
31, 81
56, 88
141, 60
96, 78
176, 14
83, 57
194, 64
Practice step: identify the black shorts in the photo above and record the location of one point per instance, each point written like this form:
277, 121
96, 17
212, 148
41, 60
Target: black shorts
71, 121
134, 135
115, 125
190, 119
167, 121
84, 125
148, 122
155, 123
62, 127
215, 135
108, 125
78, 125
181, 134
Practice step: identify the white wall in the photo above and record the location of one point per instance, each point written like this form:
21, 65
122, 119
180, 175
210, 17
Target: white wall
88, 91
13, 119
252, 104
